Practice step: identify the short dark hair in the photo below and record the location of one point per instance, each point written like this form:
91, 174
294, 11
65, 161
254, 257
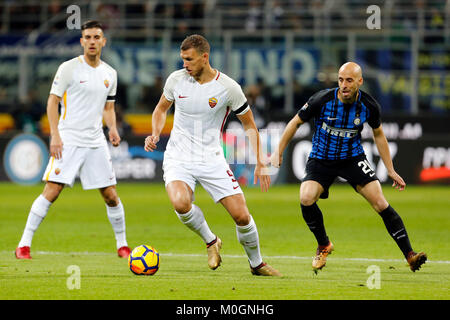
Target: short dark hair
91, 24
197, 42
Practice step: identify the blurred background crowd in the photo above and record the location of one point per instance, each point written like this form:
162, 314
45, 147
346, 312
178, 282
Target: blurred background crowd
405, 62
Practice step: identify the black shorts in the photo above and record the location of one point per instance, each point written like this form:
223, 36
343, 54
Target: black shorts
356, 170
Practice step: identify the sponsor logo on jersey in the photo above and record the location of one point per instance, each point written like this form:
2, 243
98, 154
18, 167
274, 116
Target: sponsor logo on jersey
346, 133
106, 82
212, 102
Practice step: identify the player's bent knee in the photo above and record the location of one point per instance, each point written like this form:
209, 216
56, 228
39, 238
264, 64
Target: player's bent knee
309, 193
308, 198
380, 204
182, 206
52, 190
181, 202
112, 202
180, 197
242, 220
110, 196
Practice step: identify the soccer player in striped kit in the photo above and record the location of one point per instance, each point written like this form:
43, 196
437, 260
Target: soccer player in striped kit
339, 115
85, 87
203, 98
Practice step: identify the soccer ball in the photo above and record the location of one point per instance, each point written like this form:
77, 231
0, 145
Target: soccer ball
144, 260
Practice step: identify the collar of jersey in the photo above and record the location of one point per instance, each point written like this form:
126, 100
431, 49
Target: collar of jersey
206, 83
87, 64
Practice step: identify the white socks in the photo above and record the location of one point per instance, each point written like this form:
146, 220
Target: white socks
37, 213
39, 209
248, 237
195, 220
116, 216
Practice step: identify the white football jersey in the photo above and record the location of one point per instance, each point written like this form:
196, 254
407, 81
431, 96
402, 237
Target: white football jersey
200, 114
84, 91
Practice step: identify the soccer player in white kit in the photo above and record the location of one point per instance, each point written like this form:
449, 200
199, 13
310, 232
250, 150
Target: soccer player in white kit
86, 87
204, 97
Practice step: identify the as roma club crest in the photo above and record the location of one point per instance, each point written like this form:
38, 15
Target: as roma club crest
106, 82
212, 102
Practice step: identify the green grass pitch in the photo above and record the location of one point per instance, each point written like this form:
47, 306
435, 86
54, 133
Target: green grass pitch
77, 232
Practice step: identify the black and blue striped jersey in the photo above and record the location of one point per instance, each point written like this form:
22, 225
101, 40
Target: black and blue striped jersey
337, 125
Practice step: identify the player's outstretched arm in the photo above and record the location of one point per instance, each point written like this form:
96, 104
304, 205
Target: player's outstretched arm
158, 121
383, 150
261, 170
277, 157
109, 115
56, 143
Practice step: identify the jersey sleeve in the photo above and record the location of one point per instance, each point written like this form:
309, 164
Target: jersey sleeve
312, 107
169, 87
62, 80
237, 99
374, 119
112, 92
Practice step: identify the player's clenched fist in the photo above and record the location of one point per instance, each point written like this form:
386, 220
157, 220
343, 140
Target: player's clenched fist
150, 143
276, 159
114, 137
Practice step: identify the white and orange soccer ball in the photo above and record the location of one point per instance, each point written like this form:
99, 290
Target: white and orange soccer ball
144, 260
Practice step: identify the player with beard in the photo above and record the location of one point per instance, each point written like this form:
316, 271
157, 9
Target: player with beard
339, 115
85, 87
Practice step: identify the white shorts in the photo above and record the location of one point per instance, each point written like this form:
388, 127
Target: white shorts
215, 177
93, 165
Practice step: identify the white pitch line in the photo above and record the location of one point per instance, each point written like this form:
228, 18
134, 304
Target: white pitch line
170, 254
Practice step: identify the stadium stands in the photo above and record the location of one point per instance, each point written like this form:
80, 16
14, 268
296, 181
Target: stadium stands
216, 16
406, 60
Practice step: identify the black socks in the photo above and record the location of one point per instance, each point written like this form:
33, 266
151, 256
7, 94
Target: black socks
314, 219
394, 225
396, 229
